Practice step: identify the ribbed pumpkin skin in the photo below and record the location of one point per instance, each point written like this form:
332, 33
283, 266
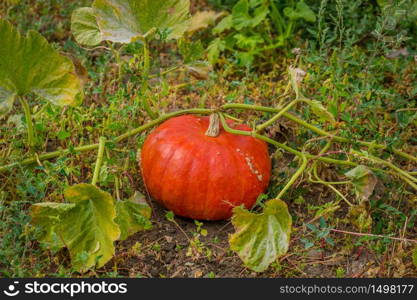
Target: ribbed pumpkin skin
203, 177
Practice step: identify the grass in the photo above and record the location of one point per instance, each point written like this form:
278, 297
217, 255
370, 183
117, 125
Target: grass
372, 98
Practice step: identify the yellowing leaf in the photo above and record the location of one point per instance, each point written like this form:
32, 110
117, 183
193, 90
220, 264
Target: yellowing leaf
261, 238
320, 111
84, 27
363, 180
199, 70
203, 19
47, 216
124, 21
133, 215
85, 225
359, 216
296, 77
90, 227
6, 101
28, 64
415, 256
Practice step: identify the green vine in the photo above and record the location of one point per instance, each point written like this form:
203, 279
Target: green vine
101, 146
303, 156
29, 123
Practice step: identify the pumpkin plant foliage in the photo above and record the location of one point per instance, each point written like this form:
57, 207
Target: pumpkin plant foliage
125, 21
141, 19
246, 31
29, 64
128, 21
193, 58
133, 215
85, 28
202, 19
300, 11
48, 216
261, 238
88, 224
363, 180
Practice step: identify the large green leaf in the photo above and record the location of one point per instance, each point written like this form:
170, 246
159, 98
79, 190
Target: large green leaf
84, 27
261, 238
86, 225
125, 21
133, 215
28, 64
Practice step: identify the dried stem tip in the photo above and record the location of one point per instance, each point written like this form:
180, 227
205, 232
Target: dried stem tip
214, 127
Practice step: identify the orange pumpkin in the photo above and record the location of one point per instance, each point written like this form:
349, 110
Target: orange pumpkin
203, 177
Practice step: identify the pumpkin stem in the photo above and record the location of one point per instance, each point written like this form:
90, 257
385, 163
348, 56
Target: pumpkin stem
214, 127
